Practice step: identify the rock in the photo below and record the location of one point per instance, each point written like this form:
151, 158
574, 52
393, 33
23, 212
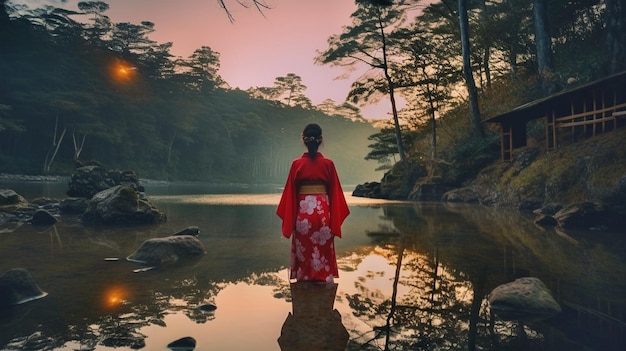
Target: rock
191, 230
369, 190
525, 299
548, 209
546, 221
44, 218
207, 307
9, 223
43, 201
582, 215
11, 201
187, 343
159, 251
428, 192
14, 208
529, 205
17, 286
121, 205
73, 205
398, 182
465, 195
86, 181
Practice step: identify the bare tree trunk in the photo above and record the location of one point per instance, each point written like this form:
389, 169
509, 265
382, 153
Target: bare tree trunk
513, 62
392, 98
433, 129
616, 34
55, 146
467, 70
487, 46
78, 148
544, 46
394, 294
433, 123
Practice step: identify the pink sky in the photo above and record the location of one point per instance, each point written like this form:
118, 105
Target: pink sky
256, 48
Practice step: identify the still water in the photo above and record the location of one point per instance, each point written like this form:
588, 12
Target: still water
432, 264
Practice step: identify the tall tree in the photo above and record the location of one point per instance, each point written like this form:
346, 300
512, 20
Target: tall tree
616, 34
467, 70
131, 40
427, 75
290, 88
543, 42
486, 40
366, 42
101, 25
201, 69
509, 29
383, 148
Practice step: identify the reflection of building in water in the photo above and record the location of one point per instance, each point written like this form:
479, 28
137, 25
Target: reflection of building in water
313, 324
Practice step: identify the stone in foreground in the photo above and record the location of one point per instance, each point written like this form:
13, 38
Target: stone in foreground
17, 286
187, 344
159, 251
525, 299
121, 205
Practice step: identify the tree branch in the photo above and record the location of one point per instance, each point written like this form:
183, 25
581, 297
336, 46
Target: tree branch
259, 4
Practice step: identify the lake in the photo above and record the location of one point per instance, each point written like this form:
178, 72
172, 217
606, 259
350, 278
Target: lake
433, 264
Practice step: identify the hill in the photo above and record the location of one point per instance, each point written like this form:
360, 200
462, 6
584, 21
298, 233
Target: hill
590, 170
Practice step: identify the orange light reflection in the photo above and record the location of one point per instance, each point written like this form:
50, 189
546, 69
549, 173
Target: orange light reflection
114, 296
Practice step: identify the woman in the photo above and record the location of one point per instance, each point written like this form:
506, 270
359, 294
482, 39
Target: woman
312, 208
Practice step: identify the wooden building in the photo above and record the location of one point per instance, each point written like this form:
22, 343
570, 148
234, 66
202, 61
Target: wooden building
579, 112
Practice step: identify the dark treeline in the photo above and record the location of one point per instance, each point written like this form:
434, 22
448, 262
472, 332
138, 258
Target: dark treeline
92, 90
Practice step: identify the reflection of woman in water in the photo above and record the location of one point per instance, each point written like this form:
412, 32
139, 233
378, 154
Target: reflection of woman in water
312, 208
314, 325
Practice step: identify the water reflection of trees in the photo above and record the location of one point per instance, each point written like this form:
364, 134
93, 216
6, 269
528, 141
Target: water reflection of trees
450, 260
430, 316
94, 302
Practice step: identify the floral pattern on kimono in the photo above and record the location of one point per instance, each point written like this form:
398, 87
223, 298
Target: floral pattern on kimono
312, 220
313, 248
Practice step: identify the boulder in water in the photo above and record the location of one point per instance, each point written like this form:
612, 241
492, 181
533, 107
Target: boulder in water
183, 344
17, 286
159, 251
525, 299
191, 230
43, 218
121, 205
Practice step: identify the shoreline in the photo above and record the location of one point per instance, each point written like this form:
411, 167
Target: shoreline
31, 178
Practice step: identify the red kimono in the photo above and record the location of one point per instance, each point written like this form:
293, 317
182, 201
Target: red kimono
315, 219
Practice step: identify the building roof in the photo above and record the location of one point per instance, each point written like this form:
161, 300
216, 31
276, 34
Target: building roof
537, 108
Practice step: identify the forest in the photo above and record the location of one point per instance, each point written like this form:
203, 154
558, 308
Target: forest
73, 91
77, 87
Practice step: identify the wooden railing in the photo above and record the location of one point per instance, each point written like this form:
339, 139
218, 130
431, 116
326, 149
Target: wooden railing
608, 114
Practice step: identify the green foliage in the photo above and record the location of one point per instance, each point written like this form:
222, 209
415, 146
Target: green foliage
384, 147
568, 174
137, 109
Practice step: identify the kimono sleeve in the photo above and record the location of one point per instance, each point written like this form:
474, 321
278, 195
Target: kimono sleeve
338, 206
287, 207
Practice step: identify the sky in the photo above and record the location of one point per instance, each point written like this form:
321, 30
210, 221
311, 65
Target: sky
255, 48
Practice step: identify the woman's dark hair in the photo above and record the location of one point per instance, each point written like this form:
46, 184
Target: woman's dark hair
312, 138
